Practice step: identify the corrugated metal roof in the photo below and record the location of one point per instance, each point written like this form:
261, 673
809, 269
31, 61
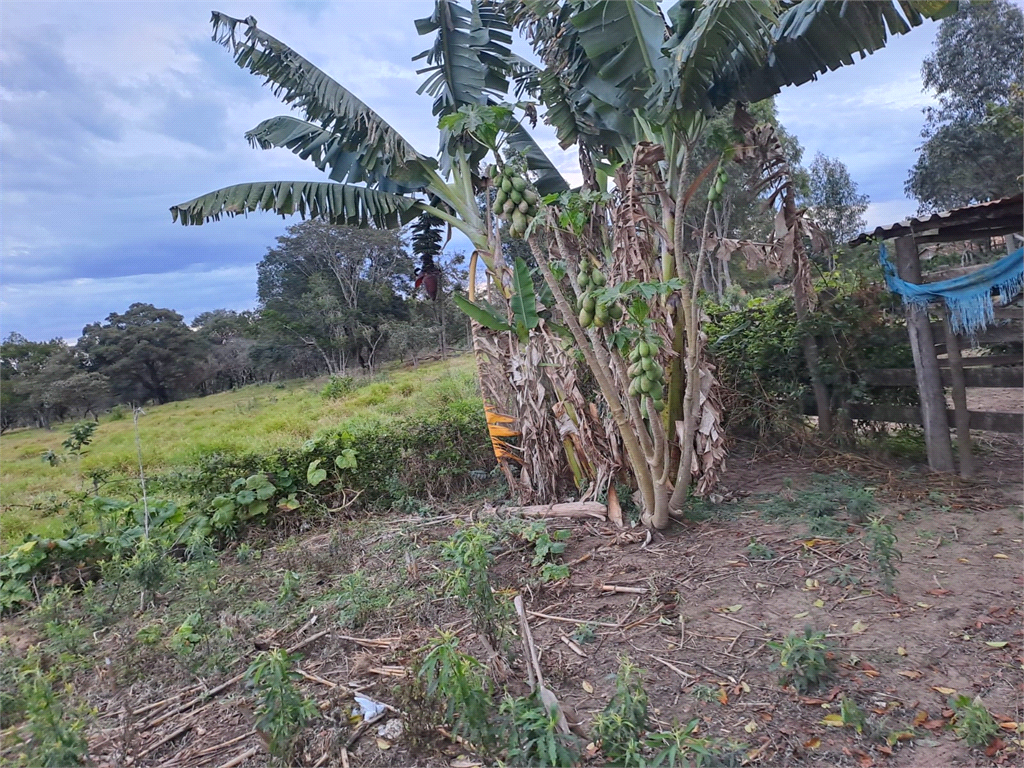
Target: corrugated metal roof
1005, 207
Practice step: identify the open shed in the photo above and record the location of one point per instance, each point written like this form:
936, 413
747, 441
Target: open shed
997, 218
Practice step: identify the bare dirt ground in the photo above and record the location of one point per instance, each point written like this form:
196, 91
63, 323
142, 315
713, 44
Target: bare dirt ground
696, 608
998, 400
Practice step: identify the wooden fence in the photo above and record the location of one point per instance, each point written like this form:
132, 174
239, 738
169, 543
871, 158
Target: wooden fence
985, 371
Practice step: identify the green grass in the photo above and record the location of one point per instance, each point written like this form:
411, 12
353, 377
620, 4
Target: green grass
258, 418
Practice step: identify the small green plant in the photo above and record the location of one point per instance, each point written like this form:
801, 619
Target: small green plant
758, 551
291, 587
67, 636
57, 733
972, 722
187, 635
246, 554
149, 634
584, 633
705, 693
148, 568
531, 737
805, 659
469, 551
859, 502
852, 715
883, 553
842, 576
358, 601
619, 728
281, 709
546, 544
337, 386
457, 680
681, 747
553, 572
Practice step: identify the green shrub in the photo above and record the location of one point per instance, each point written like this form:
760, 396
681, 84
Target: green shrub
456, 680
57, 732
972, 722
759, 353
805, 660
281, 709
338, 386
620, 727
531, 737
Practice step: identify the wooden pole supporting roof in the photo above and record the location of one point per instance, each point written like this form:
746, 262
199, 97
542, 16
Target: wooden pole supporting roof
972, 222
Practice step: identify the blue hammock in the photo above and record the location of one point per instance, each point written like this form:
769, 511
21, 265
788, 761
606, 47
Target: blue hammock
968, 298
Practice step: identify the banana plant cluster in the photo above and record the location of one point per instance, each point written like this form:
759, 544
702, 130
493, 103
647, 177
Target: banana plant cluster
626, 82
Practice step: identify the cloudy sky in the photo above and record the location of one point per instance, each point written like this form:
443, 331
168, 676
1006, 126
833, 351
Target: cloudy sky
112, 112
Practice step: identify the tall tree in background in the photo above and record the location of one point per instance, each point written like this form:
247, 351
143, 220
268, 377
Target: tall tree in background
835, 204
148, 353
336, 289
975, 70
43, 381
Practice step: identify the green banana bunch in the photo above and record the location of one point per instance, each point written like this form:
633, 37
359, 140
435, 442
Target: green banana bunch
515, 202
715, 193
647, 376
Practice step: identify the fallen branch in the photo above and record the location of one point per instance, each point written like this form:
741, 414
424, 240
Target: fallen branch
568, 620
624, 590
547, 696
371, 642
590, 509
170, 737
572, 645
230, 742
686, 678
316, 678
239, 759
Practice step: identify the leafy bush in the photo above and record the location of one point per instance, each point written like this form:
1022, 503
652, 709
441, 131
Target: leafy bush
972, 722
420, 457
531, 737
468, 550
759, 354
281, 709
57, 732
804, 659
883, 552
338, 386
620, 727
457, 681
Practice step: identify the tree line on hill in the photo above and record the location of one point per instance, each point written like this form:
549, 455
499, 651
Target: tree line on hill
332, 300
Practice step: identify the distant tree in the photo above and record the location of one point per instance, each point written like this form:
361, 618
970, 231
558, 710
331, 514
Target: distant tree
835, 204
45, 381
231, 337
146, 352
975, 70
335, 289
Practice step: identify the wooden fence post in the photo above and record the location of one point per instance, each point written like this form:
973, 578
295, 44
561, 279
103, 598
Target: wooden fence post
926, 366
961, 417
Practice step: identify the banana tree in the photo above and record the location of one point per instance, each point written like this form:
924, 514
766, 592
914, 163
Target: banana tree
631, 89
378, 179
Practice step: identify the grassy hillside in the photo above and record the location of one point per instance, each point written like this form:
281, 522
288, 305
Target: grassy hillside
257, 418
